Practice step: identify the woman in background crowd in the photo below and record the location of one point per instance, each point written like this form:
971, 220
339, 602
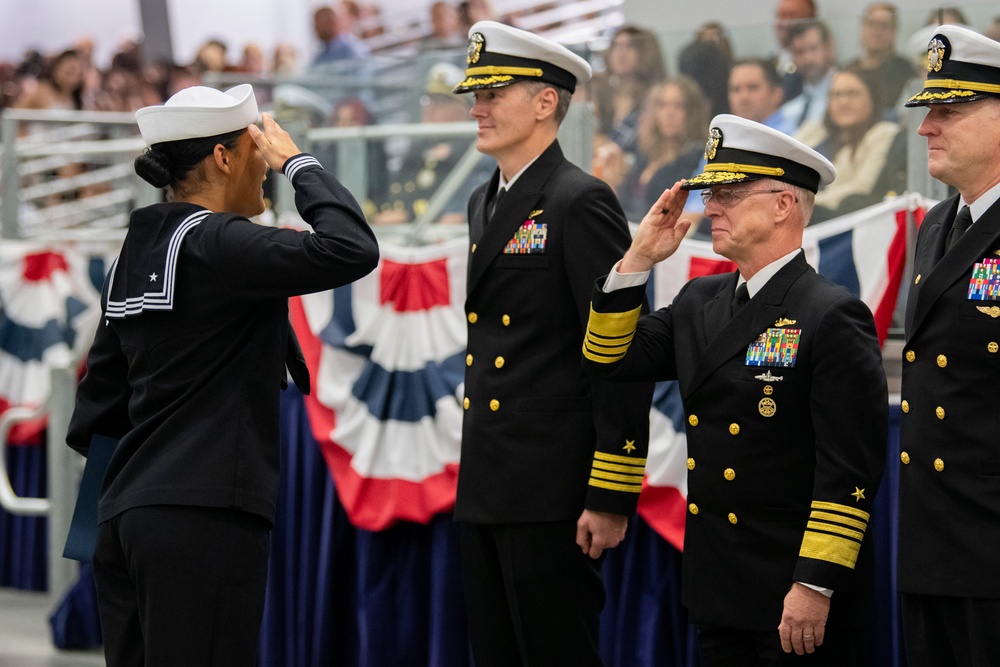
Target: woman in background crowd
856, 139
671, 141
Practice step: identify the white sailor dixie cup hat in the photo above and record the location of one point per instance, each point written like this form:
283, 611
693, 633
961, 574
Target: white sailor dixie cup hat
500, 55
740, 150
962, 66
197, 112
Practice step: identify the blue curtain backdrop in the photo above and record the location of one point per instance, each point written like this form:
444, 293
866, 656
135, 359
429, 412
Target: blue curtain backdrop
342, 596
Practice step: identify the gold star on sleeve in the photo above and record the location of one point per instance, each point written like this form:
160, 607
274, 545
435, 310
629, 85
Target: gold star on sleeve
629, 446
859, 494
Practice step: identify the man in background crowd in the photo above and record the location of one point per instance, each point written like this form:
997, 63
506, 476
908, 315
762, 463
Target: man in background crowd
814, 56
755, 92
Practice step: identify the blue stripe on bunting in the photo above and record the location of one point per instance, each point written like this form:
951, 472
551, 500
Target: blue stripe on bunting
667, 401
342, 325
29, 344
836, 261
408, 396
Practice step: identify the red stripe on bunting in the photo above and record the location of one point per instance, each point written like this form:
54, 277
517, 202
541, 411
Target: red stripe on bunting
702, 266
664, 509
371, 503
28, 433
413, 287
895, 260
40, 266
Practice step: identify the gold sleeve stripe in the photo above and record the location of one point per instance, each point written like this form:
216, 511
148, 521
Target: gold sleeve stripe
617, 458
615, 477
830, 548
609, 344
831, 528
614, 467
836, 518
843, 509
627, 488
612, 325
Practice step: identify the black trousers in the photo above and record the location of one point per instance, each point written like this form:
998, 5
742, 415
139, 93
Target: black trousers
944, 631
181, 585
728, 647
531, 596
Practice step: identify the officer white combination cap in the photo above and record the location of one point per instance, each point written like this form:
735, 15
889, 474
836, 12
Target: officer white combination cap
500, 55
197, 112
740, 150
962, 66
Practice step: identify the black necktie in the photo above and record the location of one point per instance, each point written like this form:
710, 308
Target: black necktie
805, 108
740, 298
962, 222
295, 362
495, 203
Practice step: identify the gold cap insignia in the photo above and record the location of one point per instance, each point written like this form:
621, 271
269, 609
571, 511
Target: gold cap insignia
783, 322
476, 45
712, 145
935, 55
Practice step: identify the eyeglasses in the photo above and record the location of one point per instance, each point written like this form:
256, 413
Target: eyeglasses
729, 197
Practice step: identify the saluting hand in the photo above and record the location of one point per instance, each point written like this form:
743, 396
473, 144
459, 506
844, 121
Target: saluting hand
275, 145
659, 233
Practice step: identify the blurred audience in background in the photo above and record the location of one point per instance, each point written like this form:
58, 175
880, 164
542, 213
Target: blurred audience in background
815, 58
672, 130
878, 45
854, 136
633, 63
755, 92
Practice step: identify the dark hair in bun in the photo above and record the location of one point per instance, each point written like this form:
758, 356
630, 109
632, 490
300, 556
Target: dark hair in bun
169, 162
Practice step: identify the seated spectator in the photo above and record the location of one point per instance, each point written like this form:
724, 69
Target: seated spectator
815, 58
446, 31
471, 12
672, 131
334, 28
428, 162
707, 64
633, 63
789, 13
211, 57
285, 61
59, 86
755, 92
354, 113
946, 15
856, 139
878, 43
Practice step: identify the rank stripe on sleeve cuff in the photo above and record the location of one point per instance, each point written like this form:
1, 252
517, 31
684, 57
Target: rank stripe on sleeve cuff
617, 473
611, 486
834, 533
296, 164
830, 548
609, 335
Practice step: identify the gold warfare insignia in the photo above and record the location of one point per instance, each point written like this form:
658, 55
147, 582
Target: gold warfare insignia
476, 45
992, 311
534, 214
996, 252
712, 145
767, 407
784, 322
935, 55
